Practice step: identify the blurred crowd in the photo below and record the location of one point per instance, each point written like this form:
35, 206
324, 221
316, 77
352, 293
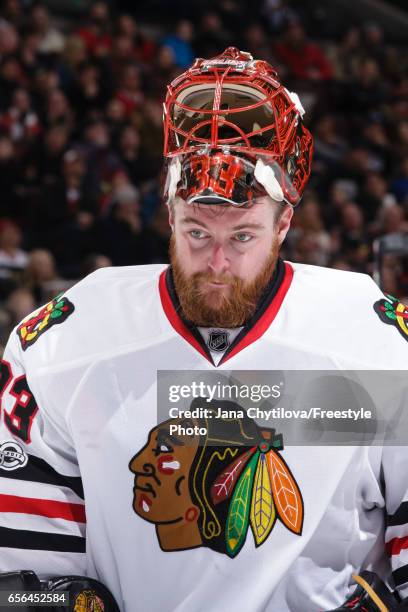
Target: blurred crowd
81, 138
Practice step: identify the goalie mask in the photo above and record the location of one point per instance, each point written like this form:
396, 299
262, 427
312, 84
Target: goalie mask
233, 133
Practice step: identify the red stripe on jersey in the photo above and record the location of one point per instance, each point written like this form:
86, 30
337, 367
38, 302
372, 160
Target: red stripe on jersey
394, 546
174, 318
43, 507
268, 316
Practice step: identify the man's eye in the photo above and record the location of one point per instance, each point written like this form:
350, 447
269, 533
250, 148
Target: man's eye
243, 237
199, 234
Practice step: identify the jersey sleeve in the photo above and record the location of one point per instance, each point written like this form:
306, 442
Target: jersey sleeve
395, 462
42, 508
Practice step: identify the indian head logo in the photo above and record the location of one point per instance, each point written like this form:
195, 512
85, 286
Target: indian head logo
392, 311
208, 490
31, 328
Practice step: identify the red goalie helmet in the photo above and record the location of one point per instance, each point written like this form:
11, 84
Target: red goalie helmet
232, 132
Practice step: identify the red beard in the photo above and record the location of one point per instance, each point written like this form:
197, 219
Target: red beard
214, 307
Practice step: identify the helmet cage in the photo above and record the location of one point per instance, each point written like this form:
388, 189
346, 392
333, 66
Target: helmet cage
236, 105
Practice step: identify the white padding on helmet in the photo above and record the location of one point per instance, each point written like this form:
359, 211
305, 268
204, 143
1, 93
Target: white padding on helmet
266, 177
296, 101
174, 177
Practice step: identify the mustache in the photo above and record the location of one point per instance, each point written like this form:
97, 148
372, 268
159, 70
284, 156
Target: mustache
212, 278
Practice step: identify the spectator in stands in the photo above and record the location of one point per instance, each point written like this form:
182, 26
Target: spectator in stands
47, 158
94, 262
129, 90
278, 14
373, 42
400, 184
165, 70
346, 54
158, 237
51, 39
375, 195
87, 93
393, 219
212, 37
305, 60
368, 88
20, 121
115, 112
12, 11
181, 43
309, 229
41, 277
329, 143
68, 215
136, 159
19, 304
96, 34
9, 176
144, 46
353, 237
13, 258
9, 39
121, 234
258, 42
59, 111
11, 78
102, 162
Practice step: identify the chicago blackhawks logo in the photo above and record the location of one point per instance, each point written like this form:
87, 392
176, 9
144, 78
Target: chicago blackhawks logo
56, 311
88, 601
394, 312
207, 490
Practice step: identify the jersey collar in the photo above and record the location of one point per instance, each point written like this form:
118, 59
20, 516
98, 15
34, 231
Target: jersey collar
266, 312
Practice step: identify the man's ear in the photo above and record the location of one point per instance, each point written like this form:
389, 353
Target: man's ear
283, 224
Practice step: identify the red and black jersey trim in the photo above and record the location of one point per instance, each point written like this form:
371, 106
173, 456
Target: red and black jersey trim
400, 517
400, 575
38, 470
36, 540
395, 546
266, 312
48, 508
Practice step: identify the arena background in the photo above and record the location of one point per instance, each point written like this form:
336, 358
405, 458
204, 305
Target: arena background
81, 88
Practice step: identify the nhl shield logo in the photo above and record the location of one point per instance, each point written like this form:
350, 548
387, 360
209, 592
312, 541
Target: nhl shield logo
218, 340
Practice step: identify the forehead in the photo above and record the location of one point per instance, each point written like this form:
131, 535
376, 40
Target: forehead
217, 216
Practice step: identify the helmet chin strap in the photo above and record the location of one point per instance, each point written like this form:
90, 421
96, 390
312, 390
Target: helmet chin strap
266, 177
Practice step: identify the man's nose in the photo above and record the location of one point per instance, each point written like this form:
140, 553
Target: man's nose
218, 262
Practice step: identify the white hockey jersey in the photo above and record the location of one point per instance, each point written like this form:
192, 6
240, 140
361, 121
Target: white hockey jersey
91, 484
